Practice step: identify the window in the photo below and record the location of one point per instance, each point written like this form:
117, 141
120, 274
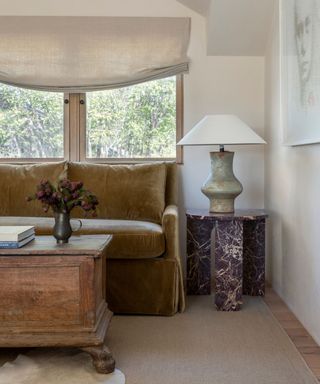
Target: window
133, 122
31, 124
136, 123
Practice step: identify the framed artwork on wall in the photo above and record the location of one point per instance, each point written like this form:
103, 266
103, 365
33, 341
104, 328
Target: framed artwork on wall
300, 71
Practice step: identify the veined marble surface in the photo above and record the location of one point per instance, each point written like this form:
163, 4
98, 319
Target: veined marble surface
228, 264
254, 257
239, 214
239, 255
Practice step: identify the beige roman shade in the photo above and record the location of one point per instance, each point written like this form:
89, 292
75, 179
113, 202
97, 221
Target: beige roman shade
73, 54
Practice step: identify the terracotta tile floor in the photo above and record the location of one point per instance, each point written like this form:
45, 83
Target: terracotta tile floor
305, 344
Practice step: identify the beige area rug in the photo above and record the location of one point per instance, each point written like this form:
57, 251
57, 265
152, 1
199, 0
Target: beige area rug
203, 346
200, 346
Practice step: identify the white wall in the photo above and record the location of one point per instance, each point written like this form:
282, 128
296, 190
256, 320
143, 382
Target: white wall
239, 27
292, 190
214, 85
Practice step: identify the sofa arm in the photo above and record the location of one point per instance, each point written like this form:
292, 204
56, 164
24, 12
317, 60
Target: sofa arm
170, 226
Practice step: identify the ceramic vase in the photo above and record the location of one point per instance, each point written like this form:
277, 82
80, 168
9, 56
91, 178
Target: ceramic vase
222, 187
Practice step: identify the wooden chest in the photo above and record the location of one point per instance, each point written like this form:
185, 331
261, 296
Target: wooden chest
54, 295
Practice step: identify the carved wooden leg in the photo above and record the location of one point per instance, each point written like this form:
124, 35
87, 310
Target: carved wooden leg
102, 358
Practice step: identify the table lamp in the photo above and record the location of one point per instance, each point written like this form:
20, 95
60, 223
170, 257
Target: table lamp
221, 187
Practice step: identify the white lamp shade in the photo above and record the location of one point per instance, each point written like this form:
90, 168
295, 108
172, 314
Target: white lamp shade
221, 130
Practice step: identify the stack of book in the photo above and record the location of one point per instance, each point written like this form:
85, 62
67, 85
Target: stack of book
15, 236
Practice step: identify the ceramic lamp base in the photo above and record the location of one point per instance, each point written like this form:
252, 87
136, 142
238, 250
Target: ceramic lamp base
221, 205
222, 187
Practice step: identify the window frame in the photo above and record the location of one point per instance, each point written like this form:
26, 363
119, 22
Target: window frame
75, 133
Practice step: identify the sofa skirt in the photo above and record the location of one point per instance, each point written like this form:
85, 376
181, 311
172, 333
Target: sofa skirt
146, 287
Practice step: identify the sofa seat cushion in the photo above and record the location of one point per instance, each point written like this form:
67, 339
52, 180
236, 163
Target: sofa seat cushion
131, 239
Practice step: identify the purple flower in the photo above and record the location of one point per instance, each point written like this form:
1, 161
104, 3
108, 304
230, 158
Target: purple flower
67, 195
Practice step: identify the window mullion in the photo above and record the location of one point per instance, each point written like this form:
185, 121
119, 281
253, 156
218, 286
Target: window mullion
74, 123
82, 127
66, 125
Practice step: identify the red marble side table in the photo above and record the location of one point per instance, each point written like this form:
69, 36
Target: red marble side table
239, 250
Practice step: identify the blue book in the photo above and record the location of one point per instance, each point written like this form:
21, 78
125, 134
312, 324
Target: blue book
16, 244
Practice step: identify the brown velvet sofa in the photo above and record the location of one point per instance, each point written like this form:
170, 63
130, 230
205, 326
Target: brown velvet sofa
137, 205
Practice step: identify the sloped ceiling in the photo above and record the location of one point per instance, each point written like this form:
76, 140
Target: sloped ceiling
235, 27
200, 6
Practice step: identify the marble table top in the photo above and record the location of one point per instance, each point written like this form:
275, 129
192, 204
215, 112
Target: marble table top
239, 214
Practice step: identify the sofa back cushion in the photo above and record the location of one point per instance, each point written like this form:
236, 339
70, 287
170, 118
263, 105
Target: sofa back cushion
19, 181
133, 192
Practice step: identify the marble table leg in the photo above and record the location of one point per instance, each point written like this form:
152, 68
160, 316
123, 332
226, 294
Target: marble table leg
199, 256
228, 264
254, 257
